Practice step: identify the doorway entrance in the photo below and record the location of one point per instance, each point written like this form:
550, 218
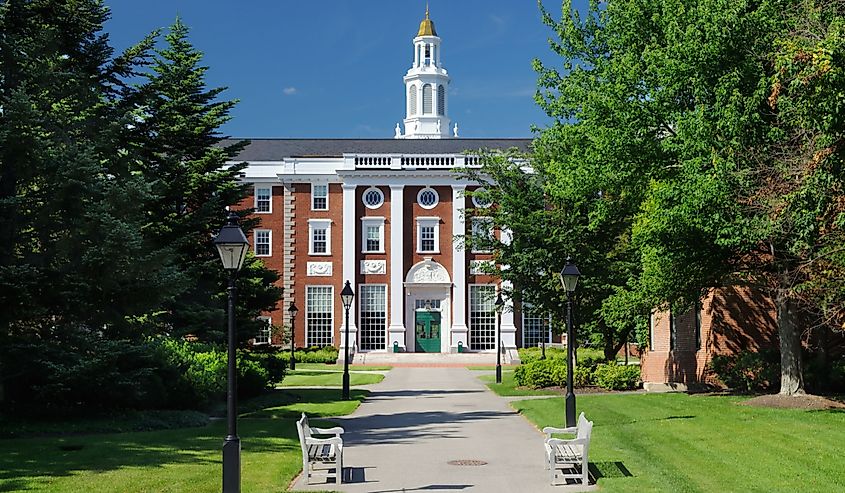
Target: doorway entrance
427, 332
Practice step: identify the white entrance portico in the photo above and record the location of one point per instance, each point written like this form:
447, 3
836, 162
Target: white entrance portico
428, 288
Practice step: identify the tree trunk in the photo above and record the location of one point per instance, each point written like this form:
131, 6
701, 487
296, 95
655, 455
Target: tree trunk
791, 374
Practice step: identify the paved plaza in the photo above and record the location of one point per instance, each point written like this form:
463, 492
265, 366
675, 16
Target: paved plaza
417, 420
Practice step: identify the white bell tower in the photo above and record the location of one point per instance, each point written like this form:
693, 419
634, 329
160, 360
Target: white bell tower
426, 89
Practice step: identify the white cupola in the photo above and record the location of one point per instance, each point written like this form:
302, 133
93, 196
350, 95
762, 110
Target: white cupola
426, 89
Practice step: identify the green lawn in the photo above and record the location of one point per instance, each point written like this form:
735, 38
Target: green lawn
182, 460
681, 443
508, 387
334, 367
312, 378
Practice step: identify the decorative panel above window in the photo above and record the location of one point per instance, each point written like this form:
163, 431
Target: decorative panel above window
373, 198
428, 198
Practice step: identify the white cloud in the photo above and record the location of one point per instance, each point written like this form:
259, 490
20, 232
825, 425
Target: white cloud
290, 91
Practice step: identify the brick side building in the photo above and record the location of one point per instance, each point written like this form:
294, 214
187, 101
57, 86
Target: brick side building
729, 320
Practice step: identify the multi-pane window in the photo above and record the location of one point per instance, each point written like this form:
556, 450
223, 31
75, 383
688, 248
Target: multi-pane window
373, 198
262, 243
651, 331
672, 331
318, 315
697, 327
536, 328
265, 332
262, 199
319, 197
482, 317
372, 236
428, 235
373, 316
482, 234
319, 232
426, 238
427, 305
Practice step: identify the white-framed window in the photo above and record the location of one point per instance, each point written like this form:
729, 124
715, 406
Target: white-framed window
263, 202
482, 317
480, 198
319, 197
482, 234
263, 246
372, 309
536, 327
265, 333
427, 95
428, 198
428, 235
651, 331
373, 198
412, 100
372, 234
319, 236
319, 316
427, 304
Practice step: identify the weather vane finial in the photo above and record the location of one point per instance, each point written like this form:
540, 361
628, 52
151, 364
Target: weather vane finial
426, 9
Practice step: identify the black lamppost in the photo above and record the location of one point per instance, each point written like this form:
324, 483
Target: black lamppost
346, 296
292, 309
232, 245
569, 278
500, 304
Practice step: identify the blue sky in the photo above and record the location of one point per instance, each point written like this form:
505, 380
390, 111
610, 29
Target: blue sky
333, 68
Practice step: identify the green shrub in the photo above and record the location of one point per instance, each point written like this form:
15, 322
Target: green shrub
582, 376
748, 371
611, 376
326, 354
529, 355
541, 373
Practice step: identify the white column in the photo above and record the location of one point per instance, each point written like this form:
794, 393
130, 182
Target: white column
349, 269
508, 326
396, 329
416, 55
434, 100
459, 328
438, 56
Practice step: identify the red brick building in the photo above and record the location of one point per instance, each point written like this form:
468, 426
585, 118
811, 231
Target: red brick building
729, 320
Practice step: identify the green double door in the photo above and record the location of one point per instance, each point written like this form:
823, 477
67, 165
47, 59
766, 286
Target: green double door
427, 332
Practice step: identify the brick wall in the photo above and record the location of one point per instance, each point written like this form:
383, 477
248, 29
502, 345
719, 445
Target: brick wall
732, 319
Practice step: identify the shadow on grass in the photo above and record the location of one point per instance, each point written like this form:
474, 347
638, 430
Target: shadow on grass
609, 469
24, 463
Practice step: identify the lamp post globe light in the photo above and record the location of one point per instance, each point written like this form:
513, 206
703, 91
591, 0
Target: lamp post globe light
292, 309
569, 279
232, 245
500, 305
346, 296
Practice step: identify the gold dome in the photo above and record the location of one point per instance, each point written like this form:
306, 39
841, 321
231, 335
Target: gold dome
427, 26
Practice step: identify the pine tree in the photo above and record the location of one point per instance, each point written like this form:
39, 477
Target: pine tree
183, 158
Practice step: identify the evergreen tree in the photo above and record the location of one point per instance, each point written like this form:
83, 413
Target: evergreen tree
184, 160
76, 262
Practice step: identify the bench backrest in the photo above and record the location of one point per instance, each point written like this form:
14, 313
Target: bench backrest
303, 429
584, 432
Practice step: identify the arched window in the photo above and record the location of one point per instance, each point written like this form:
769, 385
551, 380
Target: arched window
427, 109
412, 99
441, 100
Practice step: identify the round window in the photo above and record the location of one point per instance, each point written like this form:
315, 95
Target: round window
428, 198
480, 198
373, 198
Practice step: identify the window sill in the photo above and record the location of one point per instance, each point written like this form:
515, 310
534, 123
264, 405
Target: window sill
264, 212
421, 252
265, 255
374, 252
320, 210
327, 254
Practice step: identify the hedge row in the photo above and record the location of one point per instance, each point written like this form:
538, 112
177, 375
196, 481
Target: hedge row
552, 372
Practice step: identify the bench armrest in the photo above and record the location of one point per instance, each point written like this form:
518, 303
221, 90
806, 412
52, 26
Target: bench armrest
551, 429
324, 441
337, 430
575, 441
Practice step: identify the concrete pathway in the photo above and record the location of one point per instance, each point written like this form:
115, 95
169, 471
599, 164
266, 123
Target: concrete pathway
418, 419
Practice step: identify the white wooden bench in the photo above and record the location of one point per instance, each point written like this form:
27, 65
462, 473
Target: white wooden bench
570, 456
320, 453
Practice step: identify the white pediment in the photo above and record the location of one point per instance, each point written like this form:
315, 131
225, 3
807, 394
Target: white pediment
428, 272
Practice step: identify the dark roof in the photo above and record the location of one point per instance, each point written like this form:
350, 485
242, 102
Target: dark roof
278, 149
